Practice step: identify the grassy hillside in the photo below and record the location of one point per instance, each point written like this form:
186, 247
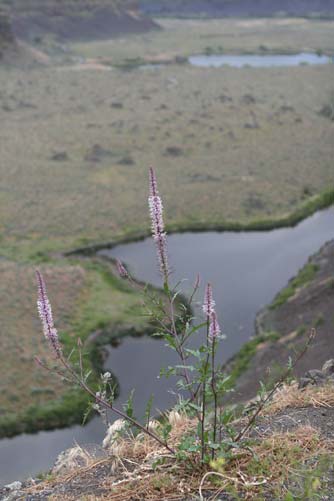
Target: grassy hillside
86, 298
230, 146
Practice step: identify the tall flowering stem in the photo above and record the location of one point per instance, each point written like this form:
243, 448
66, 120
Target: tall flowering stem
212, 334
45, 313
214, 329
158, 227
100, 399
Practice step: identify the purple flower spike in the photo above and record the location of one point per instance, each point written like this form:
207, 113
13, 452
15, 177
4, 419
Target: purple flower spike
153, 184
214, 330
121, 269
158, 228
209, 303
45, 313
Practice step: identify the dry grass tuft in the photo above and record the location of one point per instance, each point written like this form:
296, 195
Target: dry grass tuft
141, 470
291, 396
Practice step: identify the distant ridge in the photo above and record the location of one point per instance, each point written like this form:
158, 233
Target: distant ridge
76, 19
239, 8
7, 39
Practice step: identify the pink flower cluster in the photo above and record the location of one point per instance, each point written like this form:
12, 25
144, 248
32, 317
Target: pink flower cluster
210, 312
158, 228
45, 313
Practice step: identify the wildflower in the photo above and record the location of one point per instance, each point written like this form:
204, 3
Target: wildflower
158, 229
209, 303
45, 313
153, 184
121, 269
214, 329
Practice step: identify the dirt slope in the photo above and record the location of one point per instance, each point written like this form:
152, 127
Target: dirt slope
311, 305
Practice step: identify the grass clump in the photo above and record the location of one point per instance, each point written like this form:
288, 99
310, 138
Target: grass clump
306, 275
241, 360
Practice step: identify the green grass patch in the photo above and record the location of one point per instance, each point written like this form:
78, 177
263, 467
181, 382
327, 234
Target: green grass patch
106, 307
240, 362
306, 275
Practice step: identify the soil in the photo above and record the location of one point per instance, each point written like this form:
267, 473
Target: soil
310, 306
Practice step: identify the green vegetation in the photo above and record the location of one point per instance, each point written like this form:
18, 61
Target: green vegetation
242, 359
306, 275
87, 299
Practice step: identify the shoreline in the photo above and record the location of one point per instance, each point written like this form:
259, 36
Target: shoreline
312, 205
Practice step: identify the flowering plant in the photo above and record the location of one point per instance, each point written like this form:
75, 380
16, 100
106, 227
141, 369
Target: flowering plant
202, 382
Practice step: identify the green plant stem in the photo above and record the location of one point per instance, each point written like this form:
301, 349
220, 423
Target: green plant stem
214, 392
106, 404
286, 373
203, 448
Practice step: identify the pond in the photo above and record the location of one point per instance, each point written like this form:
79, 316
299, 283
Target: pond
246, 269
258, 61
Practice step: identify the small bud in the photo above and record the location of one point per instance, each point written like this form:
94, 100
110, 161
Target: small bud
121, 269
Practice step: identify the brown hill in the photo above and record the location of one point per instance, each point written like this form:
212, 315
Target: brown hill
76, 19
7, 41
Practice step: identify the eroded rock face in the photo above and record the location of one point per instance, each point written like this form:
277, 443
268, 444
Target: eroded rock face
318, 377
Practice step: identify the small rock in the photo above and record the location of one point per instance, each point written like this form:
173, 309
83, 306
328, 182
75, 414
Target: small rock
14, 486
316, 374
328, 367
303, 382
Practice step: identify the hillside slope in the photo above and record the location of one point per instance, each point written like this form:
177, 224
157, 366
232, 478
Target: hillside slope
306, 302
238, 8
7, 41
76, 19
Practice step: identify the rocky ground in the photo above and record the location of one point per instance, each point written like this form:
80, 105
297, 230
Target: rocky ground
288, 450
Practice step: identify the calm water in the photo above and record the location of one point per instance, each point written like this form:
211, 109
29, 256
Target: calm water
246, 270
258, 61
